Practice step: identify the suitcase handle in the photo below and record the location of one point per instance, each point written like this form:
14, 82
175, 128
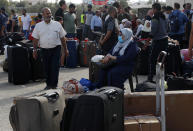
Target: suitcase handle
52, 97
162, 55
112, 93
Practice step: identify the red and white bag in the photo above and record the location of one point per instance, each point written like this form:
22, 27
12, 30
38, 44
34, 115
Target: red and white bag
73, 86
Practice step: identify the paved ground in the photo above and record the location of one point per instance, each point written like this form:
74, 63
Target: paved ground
9, 91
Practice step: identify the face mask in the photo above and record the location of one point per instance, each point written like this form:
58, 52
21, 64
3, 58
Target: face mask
120, 39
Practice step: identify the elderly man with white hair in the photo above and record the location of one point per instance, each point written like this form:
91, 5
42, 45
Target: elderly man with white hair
50, 35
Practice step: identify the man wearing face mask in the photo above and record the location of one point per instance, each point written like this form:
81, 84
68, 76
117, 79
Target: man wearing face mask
50, 35
110, 37
26, 23
70, 21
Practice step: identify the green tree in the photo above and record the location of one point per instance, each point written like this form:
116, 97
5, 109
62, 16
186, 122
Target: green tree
4, 3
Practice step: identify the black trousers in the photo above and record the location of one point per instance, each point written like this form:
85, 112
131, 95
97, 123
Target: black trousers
51, 59
157, 47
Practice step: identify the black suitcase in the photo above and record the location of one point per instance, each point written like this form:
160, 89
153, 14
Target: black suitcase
37, 66
146, 87
99, 110
142, 68
18, 65
68, 111
179, 83
173, 60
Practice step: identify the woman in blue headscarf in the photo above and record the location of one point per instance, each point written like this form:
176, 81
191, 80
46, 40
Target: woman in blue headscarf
124, 54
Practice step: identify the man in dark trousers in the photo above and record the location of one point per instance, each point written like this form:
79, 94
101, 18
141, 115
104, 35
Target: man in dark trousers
110, 37
61, 10
50, 35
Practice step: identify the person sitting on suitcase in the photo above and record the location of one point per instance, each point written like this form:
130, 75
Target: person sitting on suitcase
123, 54
50, 35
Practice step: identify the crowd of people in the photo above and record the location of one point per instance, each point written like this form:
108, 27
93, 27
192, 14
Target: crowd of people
121, 28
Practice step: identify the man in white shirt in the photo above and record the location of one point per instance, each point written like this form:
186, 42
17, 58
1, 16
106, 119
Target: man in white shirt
26, 23
49, 35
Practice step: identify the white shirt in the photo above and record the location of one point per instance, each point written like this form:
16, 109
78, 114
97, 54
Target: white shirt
139, 28
49, 35
121, 26
26, 20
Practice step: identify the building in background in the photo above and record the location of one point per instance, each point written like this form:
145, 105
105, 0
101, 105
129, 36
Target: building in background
171, 2
33, 2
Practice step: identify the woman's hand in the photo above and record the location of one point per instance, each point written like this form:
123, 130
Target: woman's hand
106, 59
112, 57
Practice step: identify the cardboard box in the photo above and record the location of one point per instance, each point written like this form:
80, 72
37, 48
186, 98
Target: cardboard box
131, 124
142, 123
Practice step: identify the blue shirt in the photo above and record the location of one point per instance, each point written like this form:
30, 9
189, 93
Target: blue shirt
182, 21
96, 22
2, 20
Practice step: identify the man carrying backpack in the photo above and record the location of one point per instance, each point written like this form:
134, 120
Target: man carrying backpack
177, 21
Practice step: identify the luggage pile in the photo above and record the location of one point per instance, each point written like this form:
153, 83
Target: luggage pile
178, 69
21, 65
52, 110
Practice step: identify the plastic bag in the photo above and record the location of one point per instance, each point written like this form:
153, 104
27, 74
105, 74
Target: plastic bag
73, 86
97, 58
85, 82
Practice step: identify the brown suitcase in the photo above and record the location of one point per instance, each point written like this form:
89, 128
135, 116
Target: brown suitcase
87, 49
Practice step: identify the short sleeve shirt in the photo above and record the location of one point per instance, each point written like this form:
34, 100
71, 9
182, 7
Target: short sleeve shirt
49, 35
89, 16
111, 26
26, 20
69, 22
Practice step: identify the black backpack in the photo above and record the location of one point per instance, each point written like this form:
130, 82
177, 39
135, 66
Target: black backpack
174, 23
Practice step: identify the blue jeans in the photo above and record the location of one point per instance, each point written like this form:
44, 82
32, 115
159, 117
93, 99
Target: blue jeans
26, 34
51, 59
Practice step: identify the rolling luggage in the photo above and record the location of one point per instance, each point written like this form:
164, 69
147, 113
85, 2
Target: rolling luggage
37, 66
143, 64
71, 60
93, 72
173, 60
87, 49
68, 111
41, 112
99, 110
19, 70
180, 83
